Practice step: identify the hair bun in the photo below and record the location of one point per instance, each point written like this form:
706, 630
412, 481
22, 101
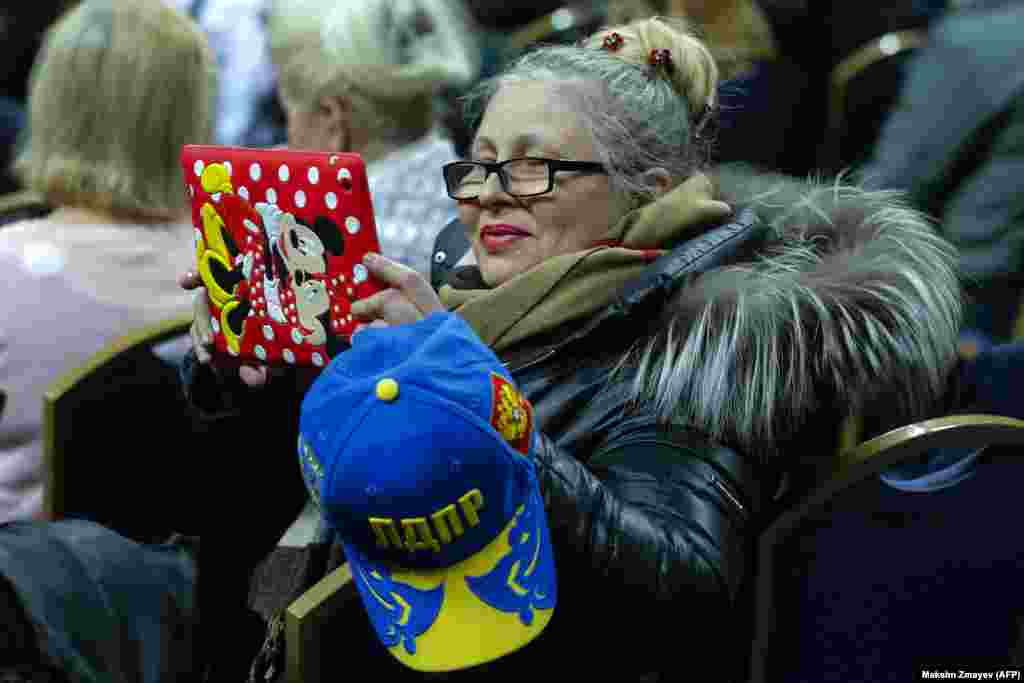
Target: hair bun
669, 47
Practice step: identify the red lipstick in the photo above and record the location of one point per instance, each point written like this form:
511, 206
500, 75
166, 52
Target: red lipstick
500, 236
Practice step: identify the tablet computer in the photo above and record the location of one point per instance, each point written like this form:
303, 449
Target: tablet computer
279, 239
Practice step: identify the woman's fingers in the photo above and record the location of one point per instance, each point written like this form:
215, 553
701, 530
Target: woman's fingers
365, 326
407, 281
253, 376
201, 330
190, 280
389, 306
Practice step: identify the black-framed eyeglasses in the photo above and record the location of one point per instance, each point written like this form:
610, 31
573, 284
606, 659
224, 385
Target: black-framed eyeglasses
520, 177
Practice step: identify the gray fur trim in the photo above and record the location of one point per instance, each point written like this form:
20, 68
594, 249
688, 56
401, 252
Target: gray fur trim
855, 297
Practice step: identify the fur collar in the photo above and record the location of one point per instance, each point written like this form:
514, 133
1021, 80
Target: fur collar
855, 296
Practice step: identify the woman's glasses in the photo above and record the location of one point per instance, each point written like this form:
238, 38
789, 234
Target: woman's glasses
520, 177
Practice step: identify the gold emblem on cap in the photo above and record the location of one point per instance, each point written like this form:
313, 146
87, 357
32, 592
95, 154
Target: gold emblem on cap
387, 389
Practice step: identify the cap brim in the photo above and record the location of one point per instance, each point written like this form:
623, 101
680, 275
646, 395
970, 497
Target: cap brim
474, 612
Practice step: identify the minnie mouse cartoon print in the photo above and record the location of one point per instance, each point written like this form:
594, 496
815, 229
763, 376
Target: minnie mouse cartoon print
279, 238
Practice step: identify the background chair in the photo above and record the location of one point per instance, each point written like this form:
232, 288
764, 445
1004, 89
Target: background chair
862, 90
22, 205
863, 582
119, 442
327, 628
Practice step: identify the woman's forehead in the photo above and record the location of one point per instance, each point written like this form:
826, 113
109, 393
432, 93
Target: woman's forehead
524, 115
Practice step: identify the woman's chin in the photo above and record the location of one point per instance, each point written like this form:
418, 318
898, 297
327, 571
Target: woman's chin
497, 269
496, 274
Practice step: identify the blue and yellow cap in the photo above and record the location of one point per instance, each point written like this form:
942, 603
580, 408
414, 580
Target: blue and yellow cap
417, 445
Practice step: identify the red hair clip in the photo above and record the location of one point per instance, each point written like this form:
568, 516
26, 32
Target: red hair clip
660, 57
613, 41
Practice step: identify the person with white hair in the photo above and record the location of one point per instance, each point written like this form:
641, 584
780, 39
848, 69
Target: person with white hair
366, 78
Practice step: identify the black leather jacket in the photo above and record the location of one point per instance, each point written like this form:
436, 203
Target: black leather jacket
652, 524
838, 297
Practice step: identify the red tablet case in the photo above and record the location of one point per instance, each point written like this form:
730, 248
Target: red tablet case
280, 235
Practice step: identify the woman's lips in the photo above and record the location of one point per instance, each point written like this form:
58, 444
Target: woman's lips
495, 238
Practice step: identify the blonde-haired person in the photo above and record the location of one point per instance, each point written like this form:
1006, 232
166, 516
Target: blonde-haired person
367, 77
684, 343
118, 87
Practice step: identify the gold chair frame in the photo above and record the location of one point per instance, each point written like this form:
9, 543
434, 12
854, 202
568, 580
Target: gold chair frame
53, 463
869, 459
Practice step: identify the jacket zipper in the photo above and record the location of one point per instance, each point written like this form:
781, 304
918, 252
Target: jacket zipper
713, 479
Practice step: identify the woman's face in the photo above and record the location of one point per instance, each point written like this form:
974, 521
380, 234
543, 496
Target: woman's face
314, 129
510, 235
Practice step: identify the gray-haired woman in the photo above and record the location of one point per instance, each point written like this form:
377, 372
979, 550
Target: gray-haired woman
682, 344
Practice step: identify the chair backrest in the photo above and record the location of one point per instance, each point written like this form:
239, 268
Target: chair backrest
864, 582
327, 632
22, 205
856, 115
1018, 325
565, 25
116, 436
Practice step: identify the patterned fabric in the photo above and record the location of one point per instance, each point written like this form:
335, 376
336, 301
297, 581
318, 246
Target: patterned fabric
410, 202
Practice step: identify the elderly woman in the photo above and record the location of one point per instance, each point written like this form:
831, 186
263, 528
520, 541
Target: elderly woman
366, 77
680, 349
118, 87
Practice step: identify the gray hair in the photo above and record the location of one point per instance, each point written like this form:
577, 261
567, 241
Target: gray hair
639, 116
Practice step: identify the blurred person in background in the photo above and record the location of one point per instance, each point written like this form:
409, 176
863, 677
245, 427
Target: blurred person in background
778, 59
817, 38
247, 107
80, 603
21, 29
118, 87
366, 78
955, 143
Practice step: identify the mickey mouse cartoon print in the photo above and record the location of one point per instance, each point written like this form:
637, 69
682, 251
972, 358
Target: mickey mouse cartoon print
295, 276
281, 275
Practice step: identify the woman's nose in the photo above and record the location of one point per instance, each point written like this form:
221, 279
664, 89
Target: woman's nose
493, 190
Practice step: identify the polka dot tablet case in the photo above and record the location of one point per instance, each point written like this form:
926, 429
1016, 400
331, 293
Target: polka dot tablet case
279, 239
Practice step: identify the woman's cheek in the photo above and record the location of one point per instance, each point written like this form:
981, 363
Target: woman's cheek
468, 216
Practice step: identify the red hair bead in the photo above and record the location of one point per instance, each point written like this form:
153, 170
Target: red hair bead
660, 57
613, 41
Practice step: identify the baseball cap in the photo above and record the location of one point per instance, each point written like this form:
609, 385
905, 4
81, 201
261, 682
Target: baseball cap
417, 447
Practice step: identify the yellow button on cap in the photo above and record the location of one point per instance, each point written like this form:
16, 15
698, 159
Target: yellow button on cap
387, 389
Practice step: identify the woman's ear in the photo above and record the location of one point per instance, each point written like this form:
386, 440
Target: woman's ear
659, 180
334, 112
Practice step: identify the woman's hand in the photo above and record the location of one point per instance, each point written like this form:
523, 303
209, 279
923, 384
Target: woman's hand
202, 332
408, 298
